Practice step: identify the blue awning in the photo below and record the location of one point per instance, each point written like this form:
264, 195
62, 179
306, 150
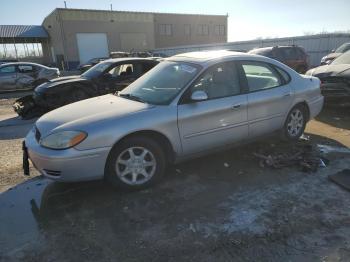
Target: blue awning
23, 31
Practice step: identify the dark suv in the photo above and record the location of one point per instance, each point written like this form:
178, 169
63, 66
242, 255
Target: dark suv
293, 56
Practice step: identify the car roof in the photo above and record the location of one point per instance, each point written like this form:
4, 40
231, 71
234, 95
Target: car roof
204, 57
22, 63
277, 46
125, 59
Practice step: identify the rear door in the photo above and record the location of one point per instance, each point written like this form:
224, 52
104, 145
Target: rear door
218, 121
269, 96
8, 77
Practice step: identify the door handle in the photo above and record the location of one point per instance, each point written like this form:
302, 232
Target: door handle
285, 95
236, 106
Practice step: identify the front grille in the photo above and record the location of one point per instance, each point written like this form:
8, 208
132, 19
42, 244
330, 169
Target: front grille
37, 134
52, 172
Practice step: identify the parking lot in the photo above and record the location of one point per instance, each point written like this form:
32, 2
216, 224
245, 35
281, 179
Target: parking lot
223, 207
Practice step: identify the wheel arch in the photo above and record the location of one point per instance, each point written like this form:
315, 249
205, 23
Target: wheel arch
160, 138
301, 103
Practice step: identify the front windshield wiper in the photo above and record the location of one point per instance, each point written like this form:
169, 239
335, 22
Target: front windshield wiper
132, 97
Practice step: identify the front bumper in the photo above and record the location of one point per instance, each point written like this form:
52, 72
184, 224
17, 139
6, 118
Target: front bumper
70, 165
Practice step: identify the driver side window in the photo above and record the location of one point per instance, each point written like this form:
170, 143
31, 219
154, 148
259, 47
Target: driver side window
219, 81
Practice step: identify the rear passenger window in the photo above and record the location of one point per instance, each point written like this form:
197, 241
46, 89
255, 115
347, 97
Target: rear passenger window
25, 68
260, 76
284, 74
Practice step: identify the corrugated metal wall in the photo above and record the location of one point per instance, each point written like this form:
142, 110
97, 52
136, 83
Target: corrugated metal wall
316, 46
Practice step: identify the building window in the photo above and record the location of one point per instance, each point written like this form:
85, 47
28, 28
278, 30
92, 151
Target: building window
203, 30
165, 29
187, 29
219, 30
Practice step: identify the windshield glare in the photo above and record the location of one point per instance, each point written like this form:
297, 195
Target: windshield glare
96, 70
162, 83
343, 59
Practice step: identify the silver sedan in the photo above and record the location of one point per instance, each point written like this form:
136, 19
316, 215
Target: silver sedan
188, 105
22, 75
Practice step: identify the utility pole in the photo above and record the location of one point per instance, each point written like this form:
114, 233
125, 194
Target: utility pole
111, 7
65, 4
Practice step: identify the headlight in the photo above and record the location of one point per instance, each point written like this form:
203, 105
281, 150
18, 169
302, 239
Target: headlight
63, 139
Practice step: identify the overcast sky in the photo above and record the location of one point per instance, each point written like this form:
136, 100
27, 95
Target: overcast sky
248, 19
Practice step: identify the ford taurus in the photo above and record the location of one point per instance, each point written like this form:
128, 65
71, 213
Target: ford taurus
188, 105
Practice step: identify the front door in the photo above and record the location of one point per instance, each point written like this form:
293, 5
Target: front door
218, 121
8, 77
269, 96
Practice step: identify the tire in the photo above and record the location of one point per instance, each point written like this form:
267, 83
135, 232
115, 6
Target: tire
295, 123
147, 169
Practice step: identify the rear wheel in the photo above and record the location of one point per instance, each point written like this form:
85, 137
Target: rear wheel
135, 163
295, 123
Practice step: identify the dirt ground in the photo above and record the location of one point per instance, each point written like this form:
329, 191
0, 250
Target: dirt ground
223, 207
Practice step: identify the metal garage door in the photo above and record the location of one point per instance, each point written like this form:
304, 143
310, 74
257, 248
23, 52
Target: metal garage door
92, 45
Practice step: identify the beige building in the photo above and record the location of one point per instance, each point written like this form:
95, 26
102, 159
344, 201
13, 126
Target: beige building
77, 35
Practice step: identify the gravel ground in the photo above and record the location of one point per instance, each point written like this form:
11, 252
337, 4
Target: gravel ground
223, 207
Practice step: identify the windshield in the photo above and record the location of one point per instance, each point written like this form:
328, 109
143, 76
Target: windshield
343, 48
162, 83
96, 70
343, 59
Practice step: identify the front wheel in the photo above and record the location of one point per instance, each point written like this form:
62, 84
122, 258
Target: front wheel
295, 123
135, 163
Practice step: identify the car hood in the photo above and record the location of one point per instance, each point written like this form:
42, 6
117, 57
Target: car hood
59, 81
87, 113
330, 70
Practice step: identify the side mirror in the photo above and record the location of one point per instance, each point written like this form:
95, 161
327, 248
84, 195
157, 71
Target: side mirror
199, 96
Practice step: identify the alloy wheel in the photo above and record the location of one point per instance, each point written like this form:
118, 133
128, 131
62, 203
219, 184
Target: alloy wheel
135, 165
295, 122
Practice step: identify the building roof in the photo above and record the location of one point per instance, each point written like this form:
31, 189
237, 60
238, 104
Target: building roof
23, 31
134, 12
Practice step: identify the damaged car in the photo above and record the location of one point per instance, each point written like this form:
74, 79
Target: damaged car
335, 80
24, 76
106, 77
335, 53
187, 106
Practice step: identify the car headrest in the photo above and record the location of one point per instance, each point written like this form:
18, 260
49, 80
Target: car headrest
220, 77
128, 70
